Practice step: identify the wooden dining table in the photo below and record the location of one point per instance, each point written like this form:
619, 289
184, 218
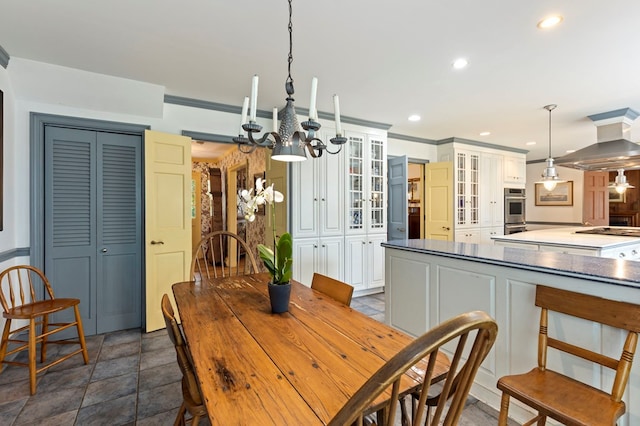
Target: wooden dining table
299, 367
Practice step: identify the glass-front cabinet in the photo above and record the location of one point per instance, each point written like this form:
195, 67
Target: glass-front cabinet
467, 188
366, 159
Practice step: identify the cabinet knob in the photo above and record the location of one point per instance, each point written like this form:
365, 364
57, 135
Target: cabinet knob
324, 245
322, 199
104, 250
364, 242
622, 255
315, 246
634, 252
315, 199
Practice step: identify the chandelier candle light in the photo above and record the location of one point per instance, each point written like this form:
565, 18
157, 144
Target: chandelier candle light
289, 142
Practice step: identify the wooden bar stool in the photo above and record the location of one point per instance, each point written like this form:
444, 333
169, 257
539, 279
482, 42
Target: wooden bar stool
20, 283
563, 398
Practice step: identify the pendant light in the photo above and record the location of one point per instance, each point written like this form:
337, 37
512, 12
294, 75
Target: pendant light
621, 184
550, 176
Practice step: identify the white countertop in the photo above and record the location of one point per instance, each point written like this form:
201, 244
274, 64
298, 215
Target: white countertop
567, 237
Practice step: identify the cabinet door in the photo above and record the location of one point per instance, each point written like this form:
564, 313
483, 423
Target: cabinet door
491, 193
468, 236
356, 183
331, 257
515, 170
355, 261
331, 201
304, 198
375, 267
305, 260
487, 233
377, 168
467, 189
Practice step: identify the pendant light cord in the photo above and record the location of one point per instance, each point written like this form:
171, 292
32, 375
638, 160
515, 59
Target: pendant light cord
550, 108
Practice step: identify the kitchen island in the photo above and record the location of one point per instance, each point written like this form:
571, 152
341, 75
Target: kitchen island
429, 281
613, 242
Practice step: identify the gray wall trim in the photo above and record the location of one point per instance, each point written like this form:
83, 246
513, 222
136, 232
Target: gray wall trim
207, 137
4, 58
233, 109
624, 112
37, 124
481, 144
13, 253
411, 138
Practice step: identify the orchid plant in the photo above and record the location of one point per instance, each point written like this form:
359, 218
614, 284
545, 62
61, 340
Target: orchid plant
279, 260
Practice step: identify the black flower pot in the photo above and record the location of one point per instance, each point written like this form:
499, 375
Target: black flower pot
279, 295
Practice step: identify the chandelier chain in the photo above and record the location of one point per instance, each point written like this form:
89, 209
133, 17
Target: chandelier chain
290, 58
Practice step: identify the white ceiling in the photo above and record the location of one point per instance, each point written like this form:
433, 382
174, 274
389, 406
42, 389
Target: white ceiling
385, 59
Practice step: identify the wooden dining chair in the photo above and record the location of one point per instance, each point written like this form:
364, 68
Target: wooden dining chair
191, 397
563, 398
20, 288
338, 290
222, 254
457, 329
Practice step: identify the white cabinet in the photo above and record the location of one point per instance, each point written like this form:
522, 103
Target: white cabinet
515, 170
364, 268
467, 189
491, 191
317, 196
468, 236
487, 233
323, 255
366, 184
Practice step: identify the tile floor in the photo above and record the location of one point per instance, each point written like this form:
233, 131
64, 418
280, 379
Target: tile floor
132, 379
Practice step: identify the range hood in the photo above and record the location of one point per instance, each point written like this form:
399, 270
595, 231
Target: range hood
613, 150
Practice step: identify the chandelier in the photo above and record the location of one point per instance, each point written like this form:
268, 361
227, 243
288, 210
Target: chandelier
289, 143
550, 176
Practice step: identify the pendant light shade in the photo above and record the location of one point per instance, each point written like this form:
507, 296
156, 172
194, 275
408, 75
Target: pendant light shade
621, 184
550, 176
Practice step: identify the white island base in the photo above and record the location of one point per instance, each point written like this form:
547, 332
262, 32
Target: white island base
430, 281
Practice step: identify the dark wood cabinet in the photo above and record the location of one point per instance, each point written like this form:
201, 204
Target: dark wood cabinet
414, 222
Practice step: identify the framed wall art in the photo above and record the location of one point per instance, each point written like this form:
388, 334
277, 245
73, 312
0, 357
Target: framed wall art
561, 195
615, 197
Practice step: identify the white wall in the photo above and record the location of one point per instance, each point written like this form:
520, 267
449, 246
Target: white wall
418, 150
555, 214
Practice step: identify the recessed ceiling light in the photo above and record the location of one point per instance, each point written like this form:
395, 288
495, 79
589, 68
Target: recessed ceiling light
550, 21
485, 133
460, 63
569, 151
414, 117
531, 143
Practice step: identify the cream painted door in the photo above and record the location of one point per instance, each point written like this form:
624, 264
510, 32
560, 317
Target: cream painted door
168, 218
196, 210
439, 206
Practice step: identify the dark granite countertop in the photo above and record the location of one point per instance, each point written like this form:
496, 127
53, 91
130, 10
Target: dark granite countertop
613, 271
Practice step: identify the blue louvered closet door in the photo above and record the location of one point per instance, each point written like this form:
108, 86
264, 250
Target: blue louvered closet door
93, 225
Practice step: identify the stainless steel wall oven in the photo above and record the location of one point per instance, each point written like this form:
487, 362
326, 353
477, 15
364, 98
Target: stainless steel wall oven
514, 210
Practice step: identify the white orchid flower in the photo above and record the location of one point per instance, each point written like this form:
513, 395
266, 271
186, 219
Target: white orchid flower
278, 197
258, 185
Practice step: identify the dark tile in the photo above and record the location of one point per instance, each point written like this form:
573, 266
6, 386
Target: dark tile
16, 390
120, 337
121, 411
10, 410
166, 418
153, 334
115, 367
161, 341
156, 358
108, 389
158, 376
159, 400
119, 351
61, 419
46, 405
70, 378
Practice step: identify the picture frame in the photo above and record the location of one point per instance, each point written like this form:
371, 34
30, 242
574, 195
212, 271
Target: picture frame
615, 197
561, 195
